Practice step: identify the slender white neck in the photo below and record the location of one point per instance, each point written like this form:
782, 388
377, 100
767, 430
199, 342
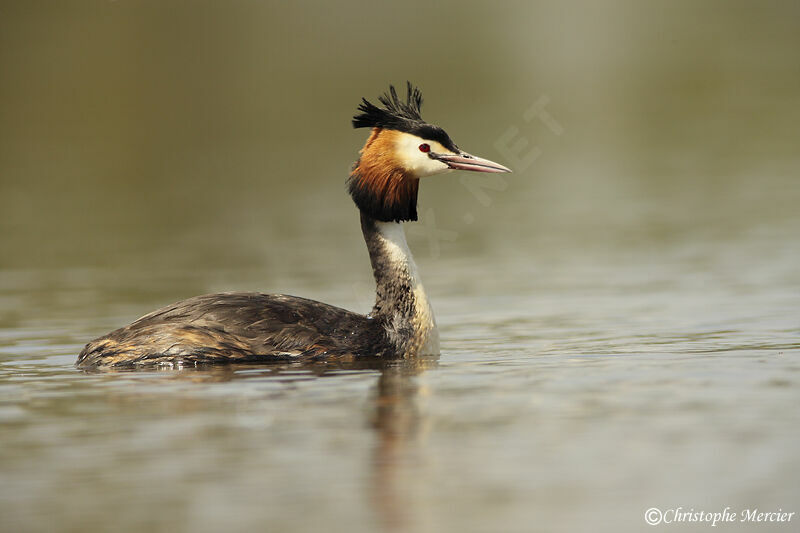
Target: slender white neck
393, 238
401, 298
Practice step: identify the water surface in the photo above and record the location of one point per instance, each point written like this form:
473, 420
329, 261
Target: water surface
592, 387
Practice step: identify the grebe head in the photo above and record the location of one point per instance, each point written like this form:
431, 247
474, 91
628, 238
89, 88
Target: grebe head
401, 149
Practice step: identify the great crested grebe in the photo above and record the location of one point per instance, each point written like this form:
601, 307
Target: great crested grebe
251, 327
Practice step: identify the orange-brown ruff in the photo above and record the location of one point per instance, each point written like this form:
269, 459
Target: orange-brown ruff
255, 327
379, 178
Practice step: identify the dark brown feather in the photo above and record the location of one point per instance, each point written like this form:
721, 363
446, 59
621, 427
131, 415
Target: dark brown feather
238, 327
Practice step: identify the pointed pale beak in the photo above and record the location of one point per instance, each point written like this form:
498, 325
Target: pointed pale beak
465, 161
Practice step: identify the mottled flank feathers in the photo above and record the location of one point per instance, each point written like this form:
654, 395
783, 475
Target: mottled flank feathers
239, 327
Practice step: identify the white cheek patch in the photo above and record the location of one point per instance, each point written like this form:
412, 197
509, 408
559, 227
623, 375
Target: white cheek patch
417, 161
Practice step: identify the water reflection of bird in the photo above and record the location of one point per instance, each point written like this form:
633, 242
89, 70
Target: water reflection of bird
399, 455
234, 327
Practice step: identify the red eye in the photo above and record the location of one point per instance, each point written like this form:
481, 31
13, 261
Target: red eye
424, 147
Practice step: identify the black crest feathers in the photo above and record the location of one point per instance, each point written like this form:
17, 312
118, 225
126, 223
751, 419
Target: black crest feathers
394, 114
401, 116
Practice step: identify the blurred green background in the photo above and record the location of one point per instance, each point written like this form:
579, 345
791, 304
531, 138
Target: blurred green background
173, 134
